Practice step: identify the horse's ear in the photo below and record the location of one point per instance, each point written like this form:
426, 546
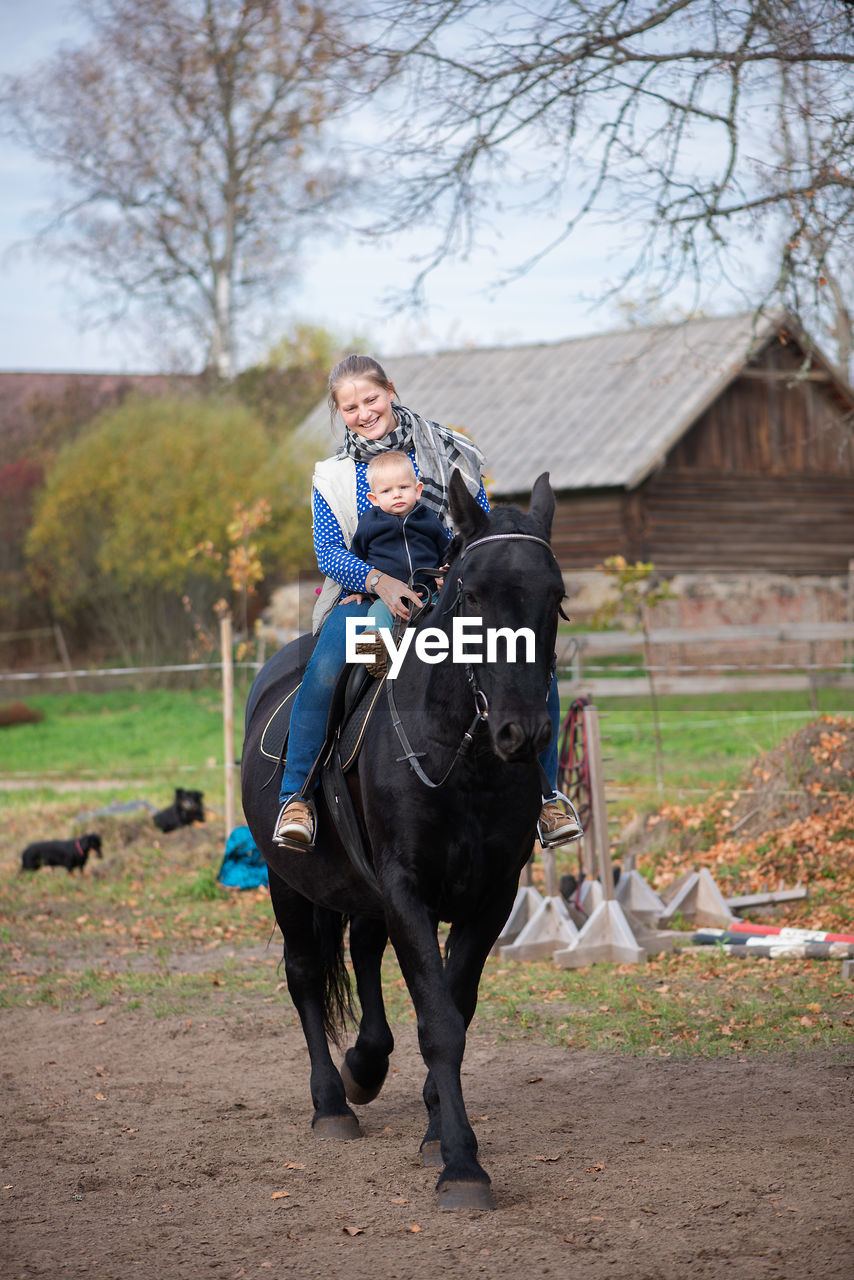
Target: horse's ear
542, 506
469, 519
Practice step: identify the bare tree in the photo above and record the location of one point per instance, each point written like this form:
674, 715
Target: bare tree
187, 135
817, 259
659, 116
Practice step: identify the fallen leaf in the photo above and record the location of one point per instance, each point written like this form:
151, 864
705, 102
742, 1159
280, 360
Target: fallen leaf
292, 1164
415, 1227
102, 1097
279, 1195
354, 1231
595, 1168
398, 1200
534, 1079
99, 1023
548, 1159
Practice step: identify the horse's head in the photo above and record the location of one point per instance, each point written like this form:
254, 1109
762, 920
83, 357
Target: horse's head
505, 574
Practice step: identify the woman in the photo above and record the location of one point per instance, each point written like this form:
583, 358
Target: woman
374, 422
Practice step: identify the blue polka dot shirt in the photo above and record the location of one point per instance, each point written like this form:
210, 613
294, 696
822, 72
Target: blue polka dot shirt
333, 558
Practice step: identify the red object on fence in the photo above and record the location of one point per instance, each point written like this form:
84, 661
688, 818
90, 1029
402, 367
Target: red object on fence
788, 931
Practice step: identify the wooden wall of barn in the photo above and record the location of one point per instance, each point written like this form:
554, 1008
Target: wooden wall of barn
763, 481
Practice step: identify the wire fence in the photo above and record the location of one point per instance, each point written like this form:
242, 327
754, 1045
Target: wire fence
757, 727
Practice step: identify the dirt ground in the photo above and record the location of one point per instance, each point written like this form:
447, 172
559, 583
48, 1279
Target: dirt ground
180, 1147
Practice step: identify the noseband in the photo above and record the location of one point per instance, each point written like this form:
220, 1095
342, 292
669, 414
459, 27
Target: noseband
480, 700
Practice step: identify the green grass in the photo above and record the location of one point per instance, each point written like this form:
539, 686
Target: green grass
707, 741
116, 732
129, 743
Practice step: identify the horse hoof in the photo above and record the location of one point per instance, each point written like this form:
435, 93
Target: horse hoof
356, 1092
345, 1127
465, 1195
431, 1152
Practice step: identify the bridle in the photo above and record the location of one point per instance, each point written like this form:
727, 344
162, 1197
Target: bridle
481, 702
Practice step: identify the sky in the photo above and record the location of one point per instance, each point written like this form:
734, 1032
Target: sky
343, 286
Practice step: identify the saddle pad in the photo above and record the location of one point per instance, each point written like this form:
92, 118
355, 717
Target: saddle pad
275, 733
353, 730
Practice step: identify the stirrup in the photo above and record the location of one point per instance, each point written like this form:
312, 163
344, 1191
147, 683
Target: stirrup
547, 841
289, 842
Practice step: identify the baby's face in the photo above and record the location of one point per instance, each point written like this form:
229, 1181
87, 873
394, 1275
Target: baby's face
396, 492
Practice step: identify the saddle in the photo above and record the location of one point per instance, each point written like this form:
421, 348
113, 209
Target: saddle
353, 700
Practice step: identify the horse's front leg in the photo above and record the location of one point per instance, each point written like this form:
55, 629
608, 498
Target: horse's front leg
314, 970
463, 1183
365, 1066
467, 950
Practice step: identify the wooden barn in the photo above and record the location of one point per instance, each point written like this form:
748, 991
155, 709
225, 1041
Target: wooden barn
714, 445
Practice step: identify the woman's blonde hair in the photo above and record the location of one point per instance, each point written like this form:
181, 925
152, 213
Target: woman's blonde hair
352, 367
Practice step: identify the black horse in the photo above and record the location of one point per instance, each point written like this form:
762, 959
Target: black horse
448, 794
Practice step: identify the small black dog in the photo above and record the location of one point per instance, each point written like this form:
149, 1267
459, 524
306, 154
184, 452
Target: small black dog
186, 810
70, 854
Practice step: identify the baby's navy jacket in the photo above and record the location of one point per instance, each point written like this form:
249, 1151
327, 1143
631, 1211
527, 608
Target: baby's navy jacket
399, 545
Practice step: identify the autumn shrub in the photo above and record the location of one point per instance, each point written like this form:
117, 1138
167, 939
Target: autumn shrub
126, 505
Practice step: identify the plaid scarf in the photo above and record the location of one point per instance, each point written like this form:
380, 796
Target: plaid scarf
438, 450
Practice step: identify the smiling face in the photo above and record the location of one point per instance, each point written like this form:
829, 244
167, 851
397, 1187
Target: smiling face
366, 408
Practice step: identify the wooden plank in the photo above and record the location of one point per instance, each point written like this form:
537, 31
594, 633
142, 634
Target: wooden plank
700, 686
745, 900
605, 642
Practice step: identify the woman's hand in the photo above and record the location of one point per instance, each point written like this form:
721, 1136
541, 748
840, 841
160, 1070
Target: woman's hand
395, 595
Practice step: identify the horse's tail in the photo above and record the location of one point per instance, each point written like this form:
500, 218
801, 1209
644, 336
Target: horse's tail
329, 929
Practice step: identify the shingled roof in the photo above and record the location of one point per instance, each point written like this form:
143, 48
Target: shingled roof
595, 412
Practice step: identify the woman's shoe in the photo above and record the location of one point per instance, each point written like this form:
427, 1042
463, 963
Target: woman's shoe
556, 825
296, 823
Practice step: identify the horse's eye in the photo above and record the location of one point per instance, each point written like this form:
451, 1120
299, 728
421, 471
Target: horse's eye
470, 599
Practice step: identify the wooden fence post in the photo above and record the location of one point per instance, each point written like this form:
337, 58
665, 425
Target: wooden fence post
228, 717
607, 934
62, 649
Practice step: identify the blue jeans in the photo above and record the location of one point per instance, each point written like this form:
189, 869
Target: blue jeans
381, 615
311, 705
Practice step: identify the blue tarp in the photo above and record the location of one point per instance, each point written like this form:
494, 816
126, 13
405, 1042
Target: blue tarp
243, 867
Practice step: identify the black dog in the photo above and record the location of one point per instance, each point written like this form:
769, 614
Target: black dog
186, 810
60, 853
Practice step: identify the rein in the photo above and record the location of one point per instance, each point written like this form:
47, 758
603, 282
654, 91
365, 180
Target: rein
480, 700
